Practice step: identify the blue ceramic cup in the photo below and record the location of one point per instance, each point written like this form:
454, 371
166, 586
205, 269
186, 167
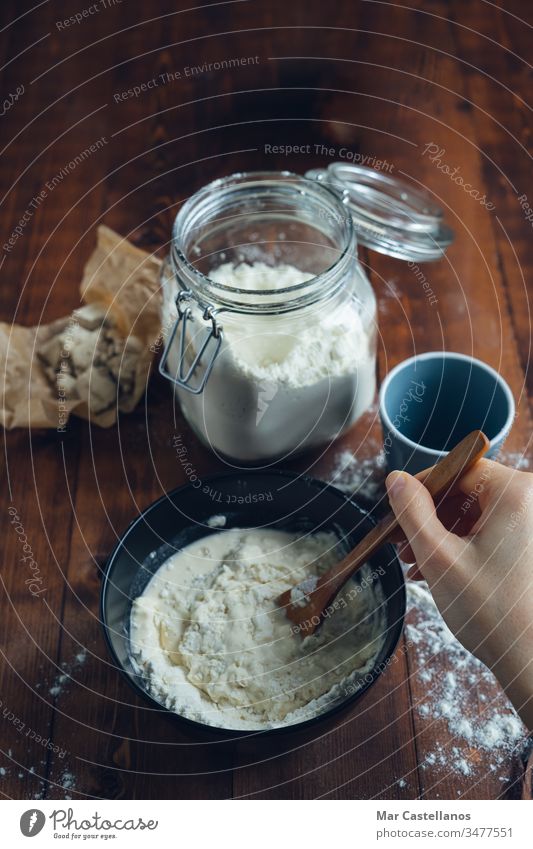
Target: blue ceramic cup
430, 402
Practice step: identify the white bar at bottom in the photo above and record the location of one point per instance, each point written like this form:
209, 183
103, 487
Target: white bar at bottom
264, 824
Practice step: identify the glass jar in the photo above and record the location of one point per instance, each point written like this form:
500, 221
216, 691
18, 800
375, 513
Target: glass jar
269, 318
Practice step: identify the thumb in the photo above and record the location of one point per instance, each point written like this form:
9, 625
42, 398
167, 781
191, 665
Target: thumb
433, 546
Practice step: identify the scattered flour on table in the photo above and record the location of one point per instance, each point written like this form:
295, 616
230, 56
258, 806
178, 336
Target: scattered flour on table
484, 726
68, 780
391, 289
363, 477
67, 669
515, 460
388, 293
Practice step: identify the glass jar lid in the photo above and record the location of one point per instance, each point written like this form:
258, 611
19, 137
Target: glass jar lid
389, 215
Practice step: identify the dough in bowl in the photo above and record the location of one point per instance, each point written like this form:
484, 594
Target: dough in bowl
213, 646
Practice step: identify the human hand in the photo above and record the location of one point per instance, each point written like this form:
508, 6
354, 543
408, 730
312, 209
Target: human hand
475, 550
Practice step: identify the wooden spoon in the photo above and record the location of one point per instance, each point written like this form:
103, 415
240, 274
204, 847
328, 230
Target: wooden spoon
438, 479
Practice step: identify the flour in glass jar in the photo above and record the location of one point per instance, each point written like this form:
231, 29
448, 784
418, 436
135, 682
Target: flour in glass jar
281, 383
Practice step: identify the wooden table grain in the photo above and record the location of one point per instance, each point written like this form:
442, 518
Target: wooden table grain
174, 96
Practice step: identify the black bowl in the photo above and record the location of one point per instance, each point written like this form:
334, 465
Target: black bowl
275, 499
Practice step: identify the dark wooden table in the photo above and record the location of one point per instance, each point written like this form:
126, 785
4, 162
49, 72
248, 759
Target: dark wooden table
379, 79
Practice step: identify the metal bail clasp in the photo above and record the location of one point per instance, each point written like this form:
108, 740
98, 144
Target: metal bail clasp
182, 378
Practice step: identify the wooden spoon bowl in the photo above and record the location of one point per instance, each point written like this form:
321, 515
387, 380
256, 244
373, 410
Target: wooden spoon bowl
307, 613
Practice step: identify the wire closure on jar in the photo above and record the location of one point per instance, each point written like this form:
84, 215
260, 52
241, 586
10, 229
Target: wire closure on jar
185, 315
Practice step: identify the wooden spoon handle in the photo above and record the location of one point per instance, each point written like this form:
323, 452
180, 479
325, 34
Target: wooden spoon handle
445, 474
437, 480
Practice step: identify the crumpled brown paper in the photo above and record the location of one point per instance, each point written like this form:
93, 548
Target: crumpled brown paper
125, 280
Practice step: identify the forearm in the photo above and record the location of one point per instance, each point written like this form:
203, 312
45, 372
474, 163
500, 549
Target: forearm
515, 673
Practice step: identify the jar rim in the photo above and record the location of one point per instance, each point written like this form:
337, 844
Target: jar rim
292, 183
